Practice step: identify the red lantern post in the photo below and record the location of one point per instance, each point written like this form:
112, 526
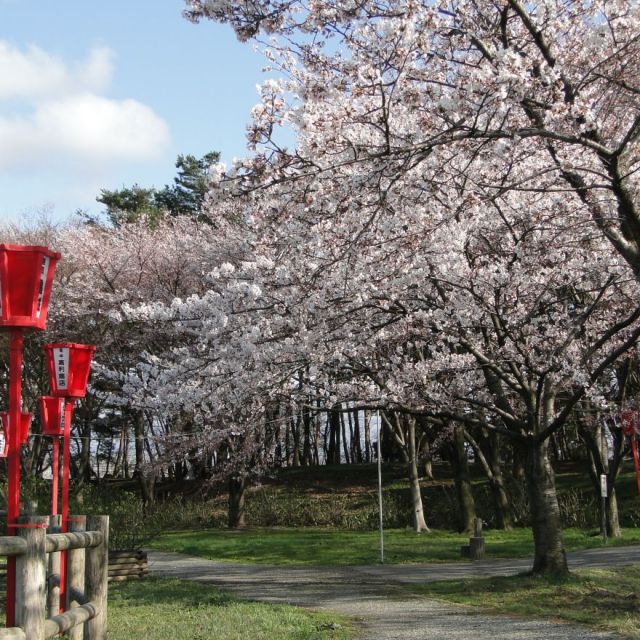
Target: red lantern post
53, 413
631, 427
25, 425
69, 367
26, 277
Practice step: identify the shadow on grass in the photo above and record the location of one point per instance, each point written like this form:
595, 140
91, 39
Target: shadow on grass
158, 591
601, 598
173, 609
336, 547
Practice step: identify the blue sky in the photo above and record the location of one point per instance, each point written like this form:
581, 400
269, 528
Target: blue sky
106, 94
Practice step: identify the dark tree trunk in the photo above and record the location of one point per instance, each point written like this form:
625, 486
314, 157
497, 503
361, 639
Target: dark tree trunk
32, 461
487, 452
84, 463
460, 463
427, 459
549, 555
345, 445
594, 438
307, 458
333, 456
518, 461
367, 437
287, 443
237, 491
119, 464
295, 430
498, 487
356, 447
336, 426
125, 456
109, 455
316, 440
146, 480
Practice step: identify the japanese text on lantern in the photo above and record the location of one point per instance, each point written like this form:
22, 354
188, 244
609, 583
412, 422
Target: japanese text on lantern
62, 408
43, 279
61, 358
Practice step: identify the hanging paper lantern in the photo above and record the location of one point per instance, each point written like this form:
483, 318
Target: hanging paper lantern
26, 277
25, 425
52, 415
69, 366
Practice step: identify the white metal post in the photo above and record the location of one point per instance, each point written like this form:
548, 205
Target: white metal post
380, 490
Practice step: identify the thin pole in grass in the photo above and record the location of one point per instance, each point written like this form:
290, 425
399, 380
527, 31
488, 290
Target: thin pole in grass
380, 489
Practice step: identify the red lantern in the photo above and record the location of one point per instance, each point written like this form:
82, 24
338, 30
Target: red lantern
52, 415
69, 366
630, 421
56, 414
25, 425
26, 277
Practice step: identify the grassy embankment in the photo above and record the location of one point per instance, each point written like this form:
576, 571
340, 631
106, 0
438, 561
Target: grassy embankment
338, 547
279, 515
345, 497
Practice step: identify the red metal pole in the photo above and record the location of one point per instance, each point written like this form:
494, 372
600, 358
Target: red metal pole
13, 460
55, 473
634, 449
66, 447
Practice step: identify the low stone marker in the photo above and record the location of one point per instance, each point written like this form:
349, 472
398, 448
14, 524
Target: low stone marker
475, 549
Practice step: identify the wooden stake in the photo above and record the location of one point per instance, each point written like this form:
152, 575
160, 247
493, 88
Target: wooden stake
75, 576
53, 578
31, 577
96, 579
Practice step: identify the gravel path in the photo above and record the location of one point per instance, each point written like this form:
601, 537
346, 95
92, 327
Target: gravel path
375, 597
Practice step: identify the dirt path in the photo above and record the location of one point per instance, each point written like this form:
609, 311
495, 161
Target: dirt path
375, 597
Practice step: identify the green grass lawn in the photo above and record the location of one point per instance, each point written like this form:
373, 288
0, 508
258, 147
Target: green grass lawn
157, 609
607, 599
336, 547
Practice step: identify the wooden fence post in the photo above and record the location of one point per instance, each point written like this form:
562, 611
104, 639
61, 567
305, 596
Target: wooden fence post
53, 574
97, 579
75, 575
31, 576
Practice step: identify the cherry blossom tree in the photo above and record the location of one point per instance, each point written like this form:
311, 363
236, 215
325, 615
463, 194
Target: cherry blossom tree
104, 268
457, 226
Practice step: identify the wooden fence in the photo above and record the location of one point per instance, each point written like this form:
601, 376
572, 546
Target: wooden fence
123, 565
127, 565
38, 560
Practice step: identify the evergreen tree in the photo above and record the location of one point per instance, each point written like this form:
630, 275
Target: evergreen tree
184, 197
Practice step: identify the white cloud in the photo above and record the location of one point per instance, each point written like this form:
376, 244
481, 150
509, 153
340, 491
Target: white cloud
84, 126
52, 111
36, 74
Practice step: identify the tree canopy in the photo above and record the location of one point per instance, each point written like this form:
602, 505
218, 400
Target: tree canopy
185, 197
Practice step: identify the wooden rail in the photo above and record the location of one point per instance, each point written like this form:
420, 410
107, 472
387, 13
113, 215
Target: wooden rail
38, 554
123, 565
127, 565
